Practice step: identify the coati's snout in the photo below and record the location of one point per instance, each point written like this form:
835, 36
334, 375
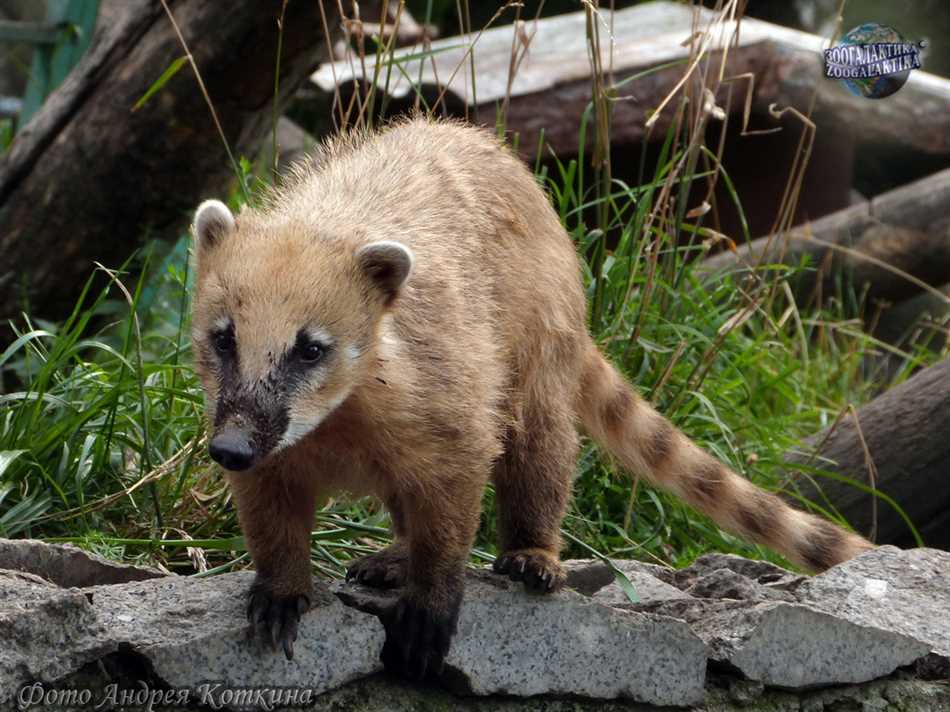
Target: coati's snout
283, 328
233, 449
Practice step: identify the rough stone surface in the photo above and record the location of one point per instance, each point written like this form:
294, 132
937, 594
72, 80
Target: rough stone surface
648, 588
46, 631
594, 578
189, 631
760, 572
511, 642
724, 583
764, 630
194, 631
793, 646
903, 591
67, 565
790, 645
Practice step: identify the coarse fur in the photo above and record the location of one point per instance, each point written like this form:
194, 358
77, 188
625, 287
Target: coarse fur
406, 318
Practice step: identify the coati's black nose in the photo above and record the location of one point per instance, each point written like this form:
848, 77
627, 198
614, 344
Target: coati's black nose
231, 448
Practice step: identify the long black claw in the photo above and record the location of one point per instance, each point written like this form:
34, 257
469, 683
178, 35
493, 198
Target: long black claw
275, 619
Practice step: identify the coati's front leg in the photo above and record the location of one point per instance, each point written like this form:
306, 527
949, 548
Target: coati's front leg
441, 523
276, 515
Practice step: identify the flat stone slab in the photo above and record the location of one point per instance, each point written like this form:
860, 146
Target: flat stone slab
905, 591
194, 631
794, 646
67, 565
648, 589
514, 643
42, 628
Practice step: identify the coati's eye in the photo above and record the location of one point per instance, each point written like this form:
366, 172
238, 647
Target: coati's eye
224, 341
312, 352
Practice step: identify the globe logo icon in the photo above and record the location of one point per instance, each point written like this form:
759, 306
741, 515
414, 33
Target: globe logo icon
872, 61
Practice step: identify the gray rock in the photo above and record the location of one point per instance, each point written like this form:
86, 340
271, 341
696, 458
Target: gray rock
515, 643
595, 578
906, 592
587, 576
191, 631
724, 583
648, 588
194, 631
760, 572
854, 623
47, 632
67, 565
794, 646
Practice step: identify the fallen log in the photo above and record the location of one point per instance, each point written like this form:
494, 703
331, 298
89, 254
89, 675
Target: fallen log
905, 431
906, 230
540, 72
89, 175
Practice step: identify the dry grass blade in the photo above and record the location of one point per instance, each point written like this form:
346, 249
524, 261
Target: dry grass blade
871, 468
154, 475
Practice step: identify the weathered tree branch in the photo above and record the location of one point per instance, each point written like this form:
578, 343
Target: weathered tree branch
906, 228
88, 177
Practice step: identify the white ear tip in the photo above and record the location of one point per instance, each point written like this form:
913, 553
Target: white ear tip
213, 220
391, 251
388, 263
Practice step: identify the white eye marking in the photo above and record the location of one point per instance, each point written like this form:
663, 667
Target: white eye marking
222, 323
320, 336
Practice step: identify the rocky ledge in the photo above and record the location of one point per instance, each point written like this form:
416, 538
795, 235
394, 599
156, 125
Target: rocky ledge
725, 633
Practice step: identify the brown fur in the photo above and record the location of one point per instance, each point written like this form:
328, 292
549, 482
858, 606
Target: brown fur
479, 367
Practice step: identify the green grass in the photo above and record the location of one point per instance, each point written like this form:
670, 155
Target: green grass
101, 436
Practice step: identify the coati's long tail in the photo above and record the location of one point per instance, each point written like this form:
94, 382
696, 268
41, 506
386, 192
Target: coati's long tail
646, 444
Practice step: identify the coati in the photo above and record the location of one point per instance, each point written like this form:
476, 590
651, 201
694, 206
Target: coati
406, 318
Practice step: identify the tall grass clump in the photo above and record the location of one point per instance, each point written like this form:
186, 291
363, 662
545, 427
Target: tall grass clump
101, 437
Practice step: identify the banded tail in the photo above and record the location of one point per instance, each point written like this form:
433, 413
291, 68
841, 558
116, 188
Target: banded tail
647, 444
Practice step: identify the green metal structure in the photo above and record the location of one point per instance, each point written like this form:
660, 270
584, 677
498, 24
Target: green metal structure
59, 42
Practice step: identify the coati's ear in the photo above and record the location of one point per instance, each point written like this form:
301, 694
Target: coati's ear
213, 222
388, 264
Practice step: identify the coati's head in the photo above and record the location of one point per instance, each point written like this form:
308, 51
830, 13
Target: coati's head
283, 326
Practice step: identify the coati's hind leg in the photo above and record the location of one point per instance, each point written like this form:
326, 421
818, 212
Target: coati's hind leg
532, 488
387, 567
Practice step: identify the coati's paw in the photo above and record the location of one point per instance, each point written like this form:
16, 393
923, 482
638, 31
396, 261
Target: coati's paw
418, 637
538, 569
384, 569
274, 618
